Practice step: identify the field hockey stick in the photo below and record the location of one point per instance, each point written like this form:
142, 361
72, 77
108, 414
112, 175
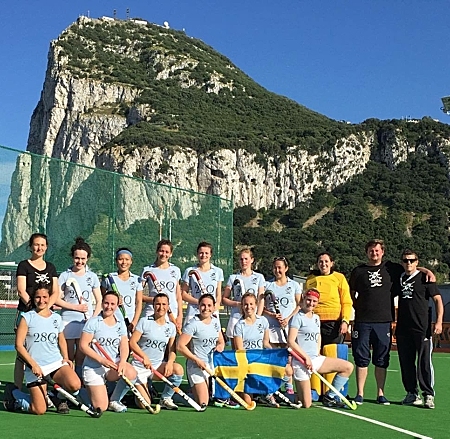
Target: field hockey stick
158, 287
234, 395
287, 401
133, 388
76, 286
199, 280
280, 395
49, 380
239, 282
113, 285
352, 405
176, 389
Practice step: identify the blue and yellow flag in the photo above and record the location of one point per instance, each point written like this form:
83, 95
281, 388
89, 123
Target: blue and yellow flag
258, 371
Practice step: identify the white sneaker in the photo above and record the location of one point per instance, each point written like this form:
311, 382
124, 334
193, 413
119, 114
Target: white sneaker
412, 399
117, 406
167, 403
429, 402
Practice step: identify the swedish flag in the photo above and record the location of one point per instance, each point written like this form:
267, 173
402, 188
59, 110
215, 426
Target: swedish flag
258, 371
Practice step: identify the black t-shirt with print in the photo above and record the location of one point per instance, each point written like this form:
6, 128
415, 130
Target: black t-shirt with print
34, 276
374, 288
413, 304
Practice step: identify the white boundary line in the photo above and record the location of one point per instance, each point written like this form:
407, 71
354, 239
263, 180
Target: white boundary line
373, 421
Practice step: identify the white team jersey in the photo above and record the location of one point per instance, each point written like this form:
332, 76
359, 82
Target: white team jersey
154, 339
251, 283
168, 278
128, 290
308, 332
41, 340
210, 278
286, 296
109, 338
87, 282
204, 337
252, 335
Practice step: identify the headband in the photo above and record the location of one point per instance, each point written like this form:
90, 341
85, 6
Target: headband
124, 252
312, 292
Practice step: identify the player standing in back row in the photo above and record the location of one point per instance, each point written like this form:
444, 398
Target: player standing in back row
202, 278
245, 281
166, 280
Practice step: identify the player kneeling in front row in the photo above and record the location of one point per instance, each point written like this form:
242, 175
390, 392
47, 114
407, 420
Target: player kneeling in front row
200, 338
152, 336
111, 335
41, 344
304, 339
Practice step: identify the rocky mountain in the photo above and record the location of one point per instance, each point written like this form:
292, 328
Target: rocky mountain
152, 102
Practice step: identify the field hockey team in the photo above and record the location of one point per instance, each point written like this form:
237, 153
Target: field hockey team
86, 349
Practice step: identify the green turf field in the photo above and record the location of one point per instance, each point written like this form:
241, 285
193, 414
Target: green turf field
263, 422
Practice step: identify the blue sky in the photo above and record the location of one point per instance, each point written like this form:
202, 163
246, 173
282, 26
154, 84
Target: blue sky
347, 59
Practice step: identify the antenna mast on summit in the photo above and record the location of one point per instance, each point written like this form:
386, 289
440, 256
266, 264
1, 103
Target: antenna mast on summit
115, 13
128, 13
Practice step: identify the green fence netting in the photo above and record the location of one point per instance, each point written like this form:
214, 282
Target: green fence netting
110, 210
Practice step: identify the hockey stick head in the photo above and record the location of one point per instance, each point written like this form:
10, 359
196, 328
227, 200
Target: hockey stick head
239, 282
199, 280
268, 294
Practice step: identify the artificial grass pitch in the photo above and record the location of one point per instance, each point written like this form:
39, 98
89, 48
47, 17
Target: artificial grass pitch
263, 422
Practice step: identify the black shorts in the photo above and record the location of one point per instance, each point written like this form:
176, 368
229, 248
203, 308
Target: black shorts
371, 335
330, 332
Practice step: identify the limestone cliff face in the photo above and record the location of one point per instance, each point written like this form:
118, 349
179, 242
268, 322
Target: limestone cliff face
74, 117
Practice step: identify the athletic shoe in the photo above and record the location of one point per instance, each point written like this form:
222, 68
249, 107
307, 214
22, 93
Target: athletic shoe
383, 400
9, 402
412, 399
429, 402
314, 395
219, 402
63, 408
117, 406
167, 403
359, 399
230, 404
330, 401
270, 401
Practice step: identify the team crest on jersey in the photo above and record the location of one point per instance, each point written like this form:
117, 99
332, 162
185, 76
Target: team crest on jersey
55, 323
213, 276
89, 281
254, 280
216, 326
289, 290
173, 273
133, 285
375, 278
42, 277
167, 331
260, 328
407, 290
